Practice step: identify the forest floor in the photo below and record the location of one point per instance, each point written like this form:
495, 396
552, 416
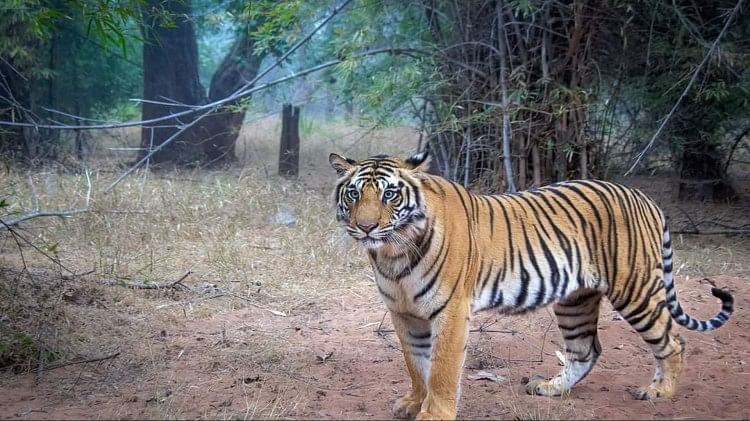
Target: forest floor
275, 314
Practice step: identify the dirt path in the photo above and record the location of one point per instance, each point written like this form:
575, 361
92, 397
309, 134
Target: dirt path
326, 361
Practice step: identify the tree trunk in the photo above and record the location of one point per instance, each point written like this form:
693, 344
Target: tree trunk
289, 145
222, 129
170, 62
170, 74
536, 164
509, 184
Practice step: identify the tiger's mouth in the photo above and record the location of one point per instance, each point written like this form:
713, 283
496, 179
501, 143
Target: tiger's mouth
371, 243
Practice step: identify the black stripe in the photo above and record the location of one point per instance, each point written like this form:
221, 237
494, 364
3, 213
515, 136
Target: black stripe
521, 298
424, 248
578, 300
432, 281
425, 335
578, 335
653, 317
495, 298
576, 326
383, 293
585, 197
554, 270
442, 307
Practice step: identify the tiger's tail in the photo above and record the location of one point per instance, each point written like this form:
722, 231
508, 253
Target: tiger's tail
678, 314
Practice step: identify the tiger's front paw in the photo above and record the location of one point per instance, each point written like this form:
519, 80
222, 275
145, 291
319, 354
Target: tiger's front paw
652, 392
424, 415
407, 407
437, 410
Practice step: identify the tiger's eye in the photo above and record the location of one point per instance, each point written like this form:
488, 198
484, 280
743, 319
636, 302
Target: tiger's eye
389, 194
353, 194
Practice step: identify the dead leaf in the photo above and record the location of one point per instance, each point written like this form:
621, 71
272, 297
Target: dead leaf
277, 312
324, 356
487, 375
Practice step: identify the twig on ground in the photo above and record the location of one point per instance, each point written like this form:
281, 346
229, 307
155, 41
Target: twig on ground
89, 360
143, 284
179, 281
253, 303
380, 326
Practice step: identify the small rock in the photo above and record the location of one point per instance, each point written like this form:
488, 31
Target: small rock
248, 380
284, 216
324, 356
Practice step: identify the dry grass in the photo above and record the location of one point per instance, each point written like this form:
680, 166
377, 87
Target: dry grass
262, 239
224, 227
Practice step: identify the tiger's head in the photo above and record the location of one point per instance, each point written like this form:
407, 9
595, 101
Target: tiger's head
379, 200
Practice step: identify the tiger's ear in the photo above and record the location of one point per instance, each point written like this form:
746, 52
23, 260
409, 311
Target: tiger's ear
340, 164
419, 161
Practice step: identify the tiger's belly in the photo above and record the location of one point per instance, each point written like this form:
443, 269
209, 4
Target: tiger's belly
515, 294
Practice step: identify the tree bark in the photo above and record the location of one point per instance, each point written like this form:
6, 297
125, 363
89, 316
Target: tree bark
222, 129
170, 61
170, 74
289, 145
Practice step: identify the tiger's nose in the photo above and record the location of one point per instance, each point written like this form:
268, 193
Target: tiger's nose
367, 227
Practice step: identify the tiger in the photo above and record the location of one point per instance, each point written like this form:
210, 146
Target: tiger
441, 254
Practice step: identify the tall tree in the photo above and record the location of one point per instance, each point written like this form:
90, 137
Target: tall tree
171, 74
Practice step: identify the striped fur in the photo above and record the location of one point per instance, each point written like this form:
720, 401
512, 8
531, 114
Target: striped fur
440, 254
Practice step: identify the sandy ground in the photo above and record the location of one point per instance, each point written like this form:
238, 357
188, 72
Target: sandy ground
327, 360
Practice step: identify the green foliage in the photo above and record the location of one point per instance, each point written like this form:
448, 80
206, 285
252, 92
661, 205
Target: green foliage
717, 104
21, 352
383, 86
272, 24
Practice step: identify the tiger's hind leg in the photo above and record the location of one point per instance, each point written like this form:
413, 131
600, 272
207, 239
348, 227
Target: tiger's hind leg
577, 318
650, 317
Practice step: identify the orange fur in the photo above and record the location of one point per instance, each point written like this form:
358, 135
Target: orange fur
441, 254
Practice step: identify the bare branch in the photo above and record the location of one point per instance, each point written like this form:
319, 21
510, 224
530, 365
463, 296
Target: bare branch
243, 91
62, 214
39, 213
396, 51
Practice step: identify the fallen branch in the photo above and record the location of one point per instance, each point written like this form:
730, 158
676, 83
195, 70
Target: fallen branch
90, 360
139, 285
